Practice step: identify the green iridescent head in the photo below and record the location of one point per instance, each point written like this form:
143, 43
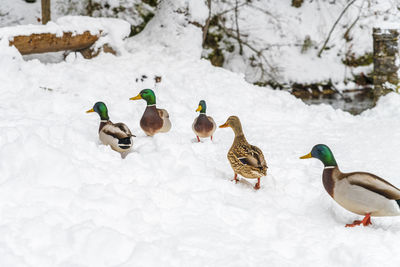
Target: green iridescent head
202, 107
323, 153
146, 94
101, 109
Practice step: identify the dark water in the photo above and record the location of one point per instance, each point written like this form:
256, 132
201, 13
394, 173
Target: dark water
352, 102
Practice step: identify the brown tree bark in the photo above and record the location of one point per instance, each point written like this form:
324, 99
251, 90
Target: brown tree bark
48, 42
45, 11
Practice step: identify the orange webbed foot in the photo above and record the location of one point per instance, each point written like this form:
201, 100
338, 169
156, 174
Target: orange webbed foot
365, 222
257, 186
235, 179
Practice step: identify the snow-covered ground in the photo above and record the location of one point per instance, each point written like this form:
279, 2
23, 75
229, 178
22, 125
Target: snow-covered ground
68, 201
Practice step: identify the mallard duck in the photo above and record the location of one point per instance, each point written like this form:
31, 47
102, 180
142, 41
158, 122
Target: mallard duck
245, 159
154, 120
117, 135
203, 126
359, 192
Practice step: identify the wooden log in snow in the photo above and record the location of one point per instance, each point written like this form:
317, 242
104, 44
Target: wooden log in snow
48, 42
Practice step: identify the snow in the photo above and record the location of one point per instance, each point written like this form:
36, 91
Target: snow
275, 27
172, 29
67, 200
279, 30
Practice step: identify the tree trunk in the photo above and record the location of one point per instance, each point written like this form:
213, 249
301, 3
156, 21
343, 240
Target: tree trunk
45, 11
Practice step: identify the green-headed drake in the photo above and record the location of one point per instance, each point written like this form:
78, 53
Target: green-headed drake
245, 159
154, 120
116, 135
203, 126
359, 192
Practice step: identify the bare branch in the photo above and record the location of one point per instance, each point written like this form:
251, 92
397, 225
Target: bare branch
231, 9
237, 29
266, 12
258, 53
347, 33
333, 27
205, 28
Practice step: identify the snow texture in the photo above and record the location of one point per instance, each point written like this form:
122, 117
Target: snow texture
279, 30
68, 201
172, 29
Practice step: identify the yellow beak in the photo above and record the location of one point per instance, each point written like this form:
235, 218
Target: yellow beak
90, 110
198, 109
224, 125
306, 156
136, 97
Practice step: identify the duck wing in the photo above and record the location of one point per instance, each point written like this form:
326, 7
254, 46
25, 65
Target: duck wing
124, 128
117, 130
163, 113
166, 126
373, 183
250, 155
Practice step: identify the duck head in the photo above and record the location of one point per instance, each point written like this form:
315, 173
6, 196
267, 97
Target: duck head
146, 94
202, 107
234, 123
101, 109
323, 153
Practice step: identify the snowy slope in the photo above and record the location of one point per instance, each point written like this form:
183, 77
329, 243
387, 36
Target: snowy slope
67, 200
276, 28
279, 30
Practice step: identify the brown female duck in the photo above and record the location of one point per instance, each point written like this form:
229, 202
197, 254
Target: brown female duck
245, 159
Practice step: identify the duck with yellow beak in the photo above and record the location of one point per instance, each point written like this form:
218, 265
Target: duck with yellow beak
154, 120
116, 135
245, 159
359, 192
203, 126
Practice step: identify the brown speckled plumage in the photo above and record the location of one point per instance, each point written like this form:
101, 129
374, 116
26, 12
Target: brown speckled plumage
246, 160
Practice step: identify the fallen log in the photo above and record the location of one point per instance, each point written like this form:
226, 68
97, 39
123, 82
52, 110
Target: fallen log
87, 35
49, 42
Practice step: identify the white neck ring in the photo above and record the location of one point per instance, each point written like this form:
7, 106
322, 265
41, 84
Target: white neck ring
329, 167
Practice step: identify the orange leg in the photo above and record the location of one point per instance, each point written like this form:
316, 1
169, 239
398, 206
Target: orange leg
365, 222
211, 137
235, 178
257, 186
198, 139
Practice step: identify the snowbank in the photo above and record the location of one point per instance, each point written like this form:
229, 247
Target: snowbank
173, 29
280, 31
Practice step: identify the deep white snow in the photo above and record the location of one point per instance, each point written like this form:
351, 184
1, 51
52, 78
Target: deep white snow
68, 201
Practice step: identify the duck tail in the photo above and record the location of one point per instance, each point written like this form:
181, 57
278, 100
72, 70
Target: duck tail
125, 143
